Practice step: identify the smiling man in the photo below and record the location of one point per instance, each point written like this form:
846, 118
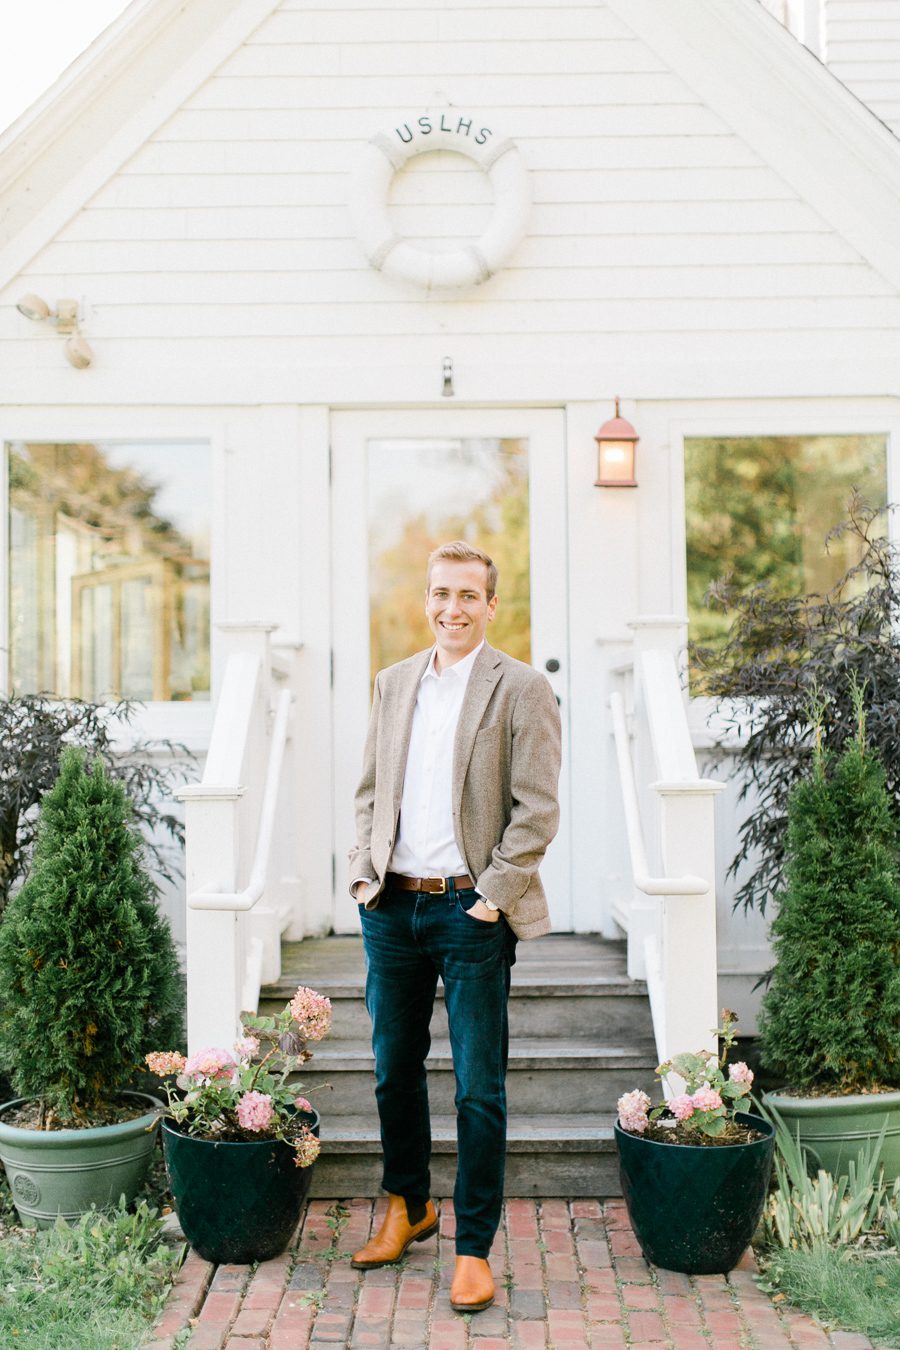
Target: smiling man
455, 809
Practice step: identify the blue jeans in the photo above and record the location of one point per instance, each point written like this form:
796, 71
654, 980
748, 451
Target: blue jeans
410, 940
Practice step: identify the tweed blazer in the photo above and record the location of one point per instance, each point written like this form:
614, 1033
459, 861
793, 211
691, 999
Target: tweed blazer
506, 760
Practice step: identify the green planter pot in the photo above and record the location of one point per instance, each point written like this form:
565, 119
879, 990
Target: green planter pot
835, 1129
236, 1203
53, 1172
695, 1207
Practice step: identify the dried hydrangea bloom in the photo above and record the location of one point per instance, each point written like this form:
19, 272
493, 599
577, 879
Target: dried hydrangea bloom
255, 1111
162, 1062
311, 1012
682, 1107
706, 1099
633, 1108
210, 1064
246, 1047
306, 1149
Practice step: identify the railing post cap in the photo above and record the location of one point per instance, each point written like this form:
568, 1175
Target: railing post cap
209, 792
657, 621
687, 787
248, 625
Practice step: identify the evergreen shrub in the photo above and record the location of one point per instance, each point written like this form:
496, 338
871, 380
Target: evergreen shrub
830, 1018
89, 975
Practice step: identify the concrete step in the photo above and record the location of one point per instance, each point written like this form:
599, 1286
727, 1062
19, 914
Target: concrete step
560, 987
546, 1156
544, 1074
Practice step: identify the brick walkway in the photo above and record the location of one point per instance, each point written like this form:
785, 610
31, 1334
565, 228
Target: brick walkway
569, 1277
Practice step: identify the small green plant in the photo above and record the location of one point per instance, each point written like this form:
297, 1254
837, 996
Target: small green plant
840, 1289
336, 1217
88, 970
92, 1286
831, 1016
813, 1211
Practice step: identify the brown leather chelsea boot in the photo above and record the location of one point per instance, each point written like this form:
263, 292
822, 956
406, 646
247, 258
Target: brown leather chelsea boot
472, 1289
395, 1235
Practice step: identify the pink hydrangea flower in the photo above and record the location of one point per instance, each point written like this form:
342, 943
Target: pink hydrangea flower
633, 1108
246, 1047
165, 1061
311, 1012
302, 1104
739, 1073
255, 1111
682, 1107
706, 1099
210, 1064
306, 1149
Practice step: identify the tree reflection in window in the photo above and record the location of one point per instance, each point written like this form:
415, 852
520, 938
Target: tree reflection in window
425, 492
758, 508
109, 569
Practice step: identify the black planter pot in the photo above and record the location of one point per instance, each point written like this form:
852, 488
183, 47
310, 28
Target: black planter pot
236, 1203
695, 1207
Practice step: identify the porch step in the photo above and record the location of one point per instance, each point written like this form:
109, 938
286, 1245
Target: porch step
580, 1035
546, 1156
545, 1074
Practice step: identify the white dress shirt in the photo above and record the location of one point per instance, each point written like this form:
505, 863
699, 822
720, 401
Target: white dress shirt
426, 842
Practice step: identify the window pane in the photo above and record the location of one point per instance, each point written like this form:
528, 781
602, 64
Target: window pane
759, 508
109, 569
422, 493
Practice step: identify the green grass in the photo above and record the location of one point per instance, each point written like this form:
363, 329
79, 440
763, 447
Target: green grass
855, 1293
93, 1286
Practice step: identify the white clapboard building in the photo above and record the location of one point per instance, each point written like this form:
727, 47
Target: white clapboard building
292, 289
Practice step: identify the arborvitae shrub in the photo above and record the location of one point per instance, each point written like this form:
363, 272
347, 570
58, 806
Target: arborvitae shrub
88, 971
831, 1015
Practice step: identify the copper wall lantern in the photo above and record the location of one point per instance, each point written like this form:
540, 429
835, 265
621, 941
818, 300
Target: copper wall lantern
616, 441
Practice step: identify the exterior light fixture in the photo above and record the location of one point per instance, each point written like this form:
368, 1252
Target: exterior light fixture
65, 320
616, 441
33, 307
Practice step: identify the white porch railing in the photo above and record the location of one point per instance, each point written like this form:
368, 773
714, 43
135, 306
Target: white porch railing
670, 917
234, 932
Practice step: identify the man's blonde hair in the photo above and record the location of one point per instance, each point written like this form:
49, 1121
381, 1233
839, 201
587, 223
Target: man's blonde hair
460, 551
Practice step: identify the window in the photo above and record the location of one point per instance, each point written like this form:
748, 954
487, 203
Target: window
425, 492
759, 508
109, 569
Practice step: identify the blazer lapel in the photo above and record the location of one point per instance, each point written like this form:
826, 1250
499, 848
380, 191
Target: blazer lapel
484, 676
407, 692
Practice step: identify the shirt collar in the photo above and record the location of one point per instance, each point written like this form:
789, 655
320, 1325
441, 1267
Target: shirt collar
461, 669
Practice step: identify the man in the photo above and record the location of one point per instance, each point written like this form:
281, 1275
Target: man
455, 809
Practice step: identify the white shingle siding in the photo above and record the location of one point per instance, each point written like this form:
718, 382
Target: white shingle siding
862, 48
651, 219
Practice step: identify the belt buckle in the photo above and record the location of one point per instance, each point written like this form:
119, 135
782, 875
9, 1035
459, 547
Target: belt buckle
442, 888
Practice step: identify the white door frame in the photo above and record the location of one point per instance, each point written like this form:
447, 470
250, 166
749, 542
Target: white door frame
544, 429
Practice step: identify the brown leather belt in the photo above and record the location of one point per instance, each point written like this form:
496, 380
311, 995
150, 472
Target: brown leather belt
430, 885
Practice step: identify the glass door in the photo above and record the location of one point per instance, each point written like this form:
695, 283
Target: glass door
402, 483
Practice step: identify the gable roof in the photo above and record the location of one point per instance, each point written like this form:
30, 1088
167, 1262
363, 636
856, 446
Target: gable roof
770, 89
104, 107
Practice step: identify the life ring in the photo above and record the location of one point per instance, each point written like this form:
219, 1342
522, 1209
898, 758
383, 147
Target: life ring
468, 265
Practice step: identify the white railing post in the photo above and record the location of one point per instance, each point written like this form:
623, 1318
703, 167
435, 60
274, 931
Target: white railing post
214, 949
688, 941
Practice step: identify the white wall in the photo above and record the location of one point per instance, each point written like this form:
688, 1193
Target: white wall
661, 254
861, 45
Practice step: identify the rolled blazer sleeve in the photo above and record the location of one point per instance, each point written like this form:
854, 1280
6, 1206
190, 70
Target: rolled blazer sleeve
533, 785
361, 855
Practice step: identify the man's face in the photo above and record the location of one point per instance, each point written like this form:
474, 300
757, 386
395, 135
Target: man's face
457, 608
